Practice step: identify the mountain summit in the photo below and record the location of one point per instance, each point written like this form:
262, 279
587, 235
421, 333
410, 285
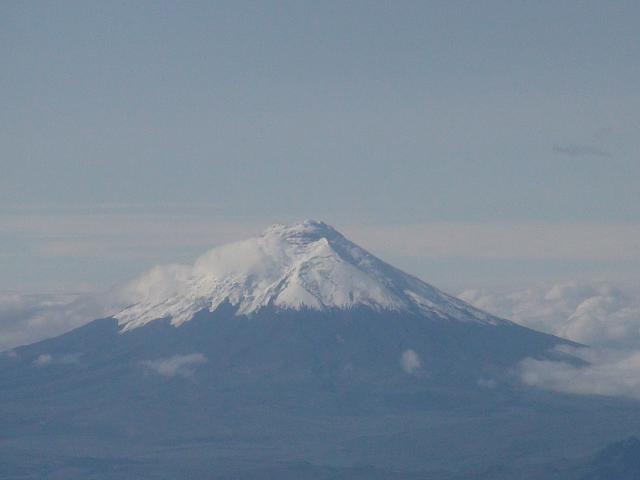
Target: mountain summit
309, 265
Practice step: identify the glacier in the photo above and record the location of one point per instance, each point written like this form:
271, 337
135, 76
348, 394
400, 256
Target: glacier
309, 265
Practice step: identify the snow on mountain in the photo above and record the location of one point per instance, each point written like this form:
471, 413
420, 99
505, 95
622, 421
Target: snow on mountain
309, 265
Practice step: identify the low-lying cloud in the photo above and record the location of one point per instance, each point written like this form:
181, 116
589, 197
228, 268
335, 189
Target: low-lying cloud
604, 316
46, 359
410, 362
609, 372
28, 318
597, 313
177, 365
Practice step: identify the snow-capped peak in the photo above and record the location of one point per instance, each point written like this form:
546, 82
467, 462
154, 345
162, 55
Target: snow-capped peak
309, 265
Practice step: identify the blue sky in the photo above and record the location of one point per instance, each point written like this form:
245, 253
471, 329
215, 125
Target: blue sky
471, 143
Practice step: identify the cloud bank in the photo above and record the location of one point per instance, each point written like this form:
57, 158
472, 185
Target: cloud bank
597, 314
28, 318
601, 315
609, 373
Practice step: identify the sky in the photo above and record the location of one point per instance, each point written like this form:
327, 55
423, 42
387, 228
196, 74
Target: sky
474, 144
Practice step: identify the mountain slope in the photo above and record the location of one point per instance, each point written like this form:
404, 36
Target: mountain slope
620, 460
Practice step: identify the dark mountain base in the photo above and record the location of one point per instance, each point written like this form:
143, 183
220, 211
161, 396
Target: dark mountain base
293, 395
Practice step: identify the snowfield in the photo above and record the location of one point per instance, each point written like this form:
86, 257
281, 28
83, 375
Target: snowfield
309, 265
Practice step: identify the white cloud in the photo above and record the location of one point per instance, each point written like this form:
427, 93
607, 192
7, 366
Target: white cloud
177, 365
27, 318
157, 284
44, 359
597, 313
608, 372
48, 359
410, 361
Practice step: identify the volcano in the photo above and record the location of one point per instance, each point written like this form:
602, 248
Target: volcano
295, 354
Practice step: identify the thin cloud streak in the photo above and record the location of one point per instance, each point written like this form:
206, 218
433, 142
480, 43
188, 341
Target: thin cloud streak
140, 236
581, 151
560, 241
